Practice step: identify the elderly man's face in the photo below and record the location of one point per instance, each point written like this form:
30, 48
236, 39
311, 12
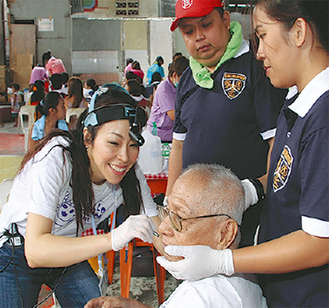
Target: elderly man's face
185, 201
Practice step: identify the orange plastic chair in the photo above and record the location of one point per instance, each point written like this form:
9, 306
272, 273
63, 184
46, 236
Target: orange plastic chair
126, 255
126, 260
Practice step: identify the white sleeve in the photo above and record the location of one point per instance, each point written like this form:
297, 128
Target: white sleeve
149, 204
48, 178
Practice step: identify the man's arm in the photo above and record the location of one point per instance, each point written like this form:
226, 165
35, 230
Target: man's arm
263, 179
175, 164
171, 114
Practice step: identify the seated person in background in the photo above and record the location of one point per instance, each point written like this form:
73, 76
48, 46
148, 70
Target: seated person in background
75, 98
129, 76
150, 89
53, 113
56, 83
38, 93
205, 208
65, 79
89, 88
163, 107
129, 62
38, 73
174, 57
136, 69
136, 90
156, 67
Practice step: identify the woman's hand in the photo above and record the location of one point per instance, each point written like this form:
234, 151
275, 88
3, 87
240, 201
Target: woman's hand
199, 262
140, 226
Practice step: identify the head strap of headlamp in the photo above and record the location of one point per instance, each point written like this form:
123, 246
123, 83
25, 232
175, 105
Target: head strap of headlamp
113, 112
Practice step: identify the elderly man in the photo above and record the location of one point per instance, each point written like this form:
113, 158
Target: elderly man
205, 207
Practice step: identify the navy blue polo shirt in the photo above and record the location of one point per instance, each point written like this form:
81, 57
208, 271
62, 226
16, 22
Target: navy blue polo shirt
230, 123
298, 192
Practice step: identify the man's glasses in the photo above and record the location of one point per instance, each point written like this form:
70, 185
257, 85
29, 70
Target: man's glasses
176, 220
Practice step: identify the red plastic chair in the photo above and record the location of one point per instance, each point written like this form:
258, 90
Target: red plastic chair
126, 255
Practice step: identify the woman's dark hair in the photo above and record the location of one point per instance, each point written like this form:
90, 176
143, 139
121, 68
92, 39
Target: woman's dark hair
136, 65
65, 77
16, 86
45, 57
83, 195
130, 75
286, 12
129, 60
92, 83
56, 81
159, 60
75, 90
178, 66
134, 88
38, 91
156, 77
51, 100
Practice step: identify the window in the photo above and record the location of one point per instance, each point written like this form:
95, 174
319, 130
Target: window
127, 8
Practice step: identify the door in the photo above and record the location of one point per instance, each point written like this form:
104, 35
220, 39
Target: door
22, 53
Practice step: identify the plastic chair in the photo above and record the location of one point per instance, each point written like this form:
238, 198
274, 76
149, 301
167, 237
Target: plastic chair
126, 260
30, 112
73, 112
157, 186
5, 187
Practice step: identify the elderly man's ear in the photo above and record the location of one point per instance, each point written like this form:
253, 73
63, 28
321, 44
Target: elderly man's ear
227, 233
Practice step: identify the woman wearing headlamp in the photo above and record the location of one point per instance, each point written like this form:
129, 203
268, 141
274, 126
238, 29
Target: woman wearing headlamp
69, 181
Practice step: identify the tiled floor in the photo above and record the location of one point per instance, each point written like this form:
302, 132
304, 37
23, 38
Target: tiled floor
11, 154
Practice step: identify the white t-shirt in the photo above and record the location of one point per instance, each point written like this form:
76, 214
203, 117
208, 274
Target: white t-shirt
218, 291
43, 188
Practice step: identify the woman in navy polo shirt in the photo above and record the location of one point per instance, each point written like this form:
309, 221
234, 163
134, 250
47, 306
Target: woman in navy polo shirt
294, 231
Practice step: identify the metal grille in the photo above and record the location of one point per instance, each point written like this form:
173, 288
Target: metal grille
127, 8
76, 6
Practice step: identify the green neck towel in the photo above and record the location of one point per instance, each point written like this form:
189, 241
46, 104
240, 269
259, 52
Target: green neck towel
201, 74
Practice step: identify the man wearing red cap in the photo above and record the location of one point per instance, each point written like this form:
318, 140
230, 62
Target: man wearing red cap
226, 109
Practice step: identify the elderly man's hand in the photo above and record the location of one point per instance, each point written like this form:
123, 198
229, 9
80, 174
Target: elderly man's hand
199, 262
114, 302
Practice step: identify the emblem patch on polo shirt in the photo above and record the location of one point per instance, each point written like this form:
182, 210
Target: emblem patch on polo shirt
233, 84
283, 169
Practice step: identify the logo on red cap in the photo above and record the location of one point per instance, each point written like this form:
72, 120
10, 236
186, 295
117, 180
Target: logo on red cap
186, 4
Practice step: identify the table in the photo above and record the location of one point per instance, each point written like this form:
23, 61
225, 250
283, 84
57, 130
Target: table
5, 114
157, 182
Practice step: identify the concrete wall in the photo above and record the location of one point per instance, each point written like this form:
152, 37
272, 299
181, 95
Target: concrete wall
107, 9
59, 40
90, 45
102, 46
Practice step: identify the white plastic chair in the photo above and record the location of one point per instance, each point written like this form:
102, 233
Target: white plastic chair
5, 187
73, 111
30, 112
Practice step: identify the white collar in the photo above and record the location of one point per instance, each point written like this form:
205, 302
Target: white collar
244, 48
313, 90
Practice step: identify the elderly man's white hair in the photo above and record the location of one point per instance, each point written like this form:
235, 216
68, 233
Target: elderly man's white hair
222, 191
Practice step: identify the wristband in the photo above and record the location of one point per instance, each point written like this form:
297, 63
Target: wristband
259, 188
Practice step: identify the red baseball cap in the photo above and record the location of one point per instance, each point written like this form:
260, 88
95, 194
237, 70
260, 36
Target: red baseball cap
193, 8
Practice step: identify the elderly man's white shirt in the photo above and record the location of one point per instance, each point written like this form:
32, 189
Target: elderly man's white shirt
218, 291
